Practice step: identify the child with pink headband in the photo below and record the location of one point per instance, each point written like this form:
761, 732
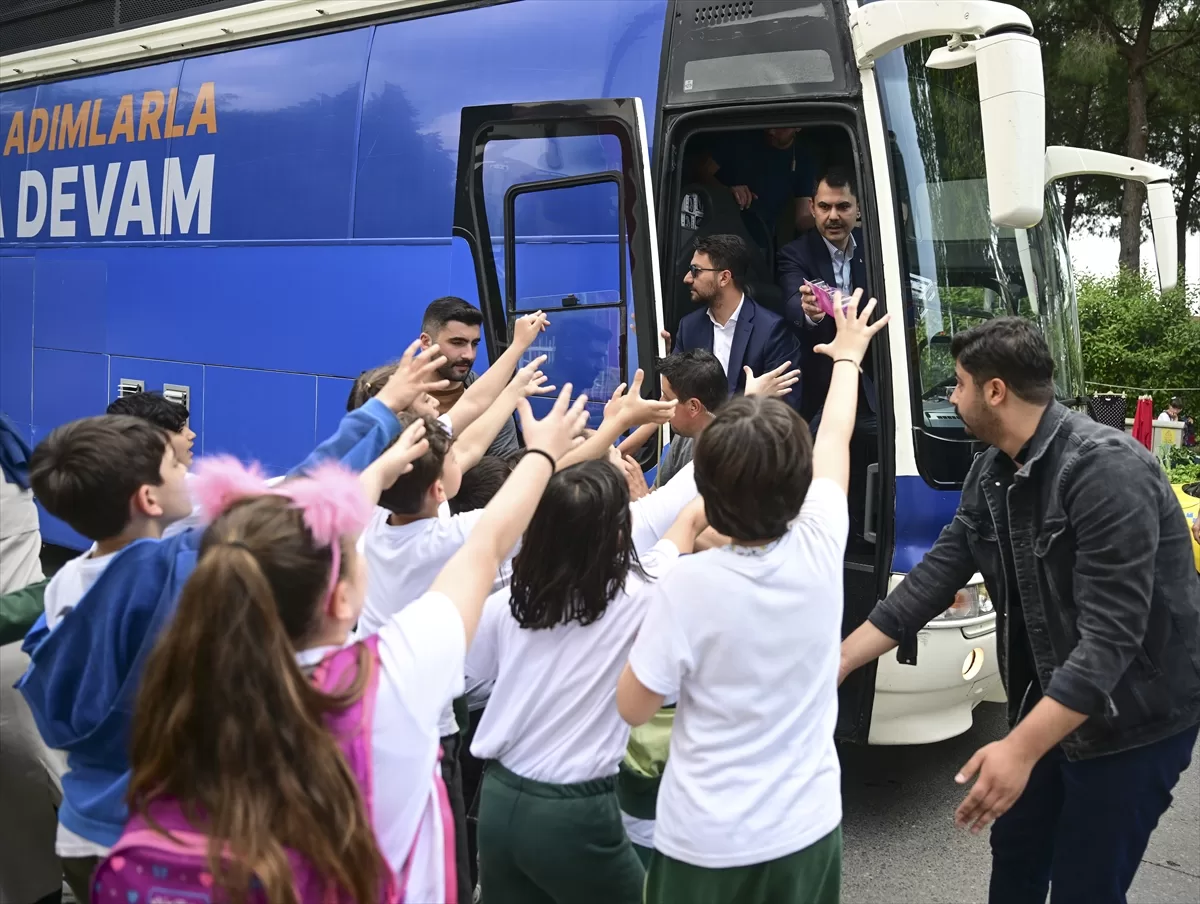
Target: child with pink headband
232, 731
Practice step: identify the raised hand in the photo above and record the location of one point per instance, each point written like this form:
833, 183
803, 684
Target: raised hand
853, 333
397, 459
635, 477
773, 383
414, 375
635, 410
426, 406
558, 432
530, 380
528, 328
613, 405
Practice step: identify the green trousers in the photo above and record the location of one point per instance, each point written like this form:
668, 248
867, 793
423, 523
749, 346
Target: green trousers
554, 844
810, 876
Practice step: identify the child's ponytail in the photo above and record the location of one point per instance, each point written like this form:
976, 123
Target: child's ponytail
228, 724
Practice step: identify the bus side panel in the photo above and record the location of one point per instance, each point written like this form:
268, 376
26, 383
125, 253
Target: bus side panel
332, 394
422, 73
318, 309
67, 385
260, 415
921, 513
156, 375
16, 341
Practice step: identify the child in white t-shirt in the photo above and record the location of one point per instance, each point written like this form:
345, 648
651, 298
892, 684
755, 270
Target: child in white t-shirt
748, 636
274, 596
554, 643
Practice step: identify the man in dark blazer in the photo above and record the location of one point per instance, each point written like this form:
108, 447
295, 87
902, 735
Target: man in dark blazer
832, 253
728, 323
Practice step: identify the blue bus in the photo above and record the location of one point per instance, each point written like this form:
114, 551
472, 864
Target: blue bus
248, 204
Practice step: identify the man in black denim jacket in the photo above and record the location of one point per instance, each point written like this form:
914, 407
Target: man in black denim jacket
1086, 553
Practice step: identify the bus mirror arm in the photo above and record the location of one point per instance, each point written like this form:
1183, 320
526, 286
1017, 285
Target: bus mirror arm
1063, 162
1012, 94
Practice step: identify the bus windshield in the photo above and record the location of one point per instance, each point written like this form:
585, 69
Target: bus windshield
962, 269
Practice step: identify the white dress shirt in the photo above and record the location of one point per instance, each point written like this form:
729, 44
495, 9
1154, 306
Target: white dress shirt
723, 335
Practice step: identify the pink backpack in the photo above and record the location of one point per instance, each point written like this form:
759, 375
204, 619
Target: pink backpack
147, 867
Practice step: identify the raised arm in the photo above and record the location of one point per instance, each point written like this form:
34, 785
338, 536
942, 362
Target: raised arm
925, 593
467, 578
365, 432
831, 452
481, 395
476, 439
397, 459
624, 411
688, 526
638, 438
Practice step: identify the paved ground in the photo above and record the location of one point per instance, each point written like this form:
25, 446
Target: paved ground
902, 846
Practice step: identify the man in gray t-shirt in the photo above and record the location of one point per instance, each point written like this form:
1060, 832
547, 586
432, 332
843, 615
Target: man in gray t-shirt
697, 381
678, 454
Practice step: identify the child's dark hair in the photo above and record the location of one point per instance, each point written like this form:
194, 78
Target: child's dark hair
368, 384
153, 407
407, 495
753, 468
227, 724
696, 374
480, 484
85, 472
577, 550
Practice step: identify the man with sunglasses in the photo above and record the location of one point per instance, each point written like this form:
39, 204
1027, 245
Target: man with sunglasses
741, 333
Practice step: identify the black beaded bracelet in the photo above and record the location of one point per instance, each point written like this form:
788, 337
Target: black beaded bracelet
848, 361
546, 455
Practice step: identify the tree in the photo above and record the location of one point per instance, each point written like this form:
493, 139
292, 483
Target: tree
1112, 66
1132, 336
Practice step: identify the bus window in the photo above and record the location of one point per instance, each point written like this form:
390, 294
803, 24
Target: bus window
554, 200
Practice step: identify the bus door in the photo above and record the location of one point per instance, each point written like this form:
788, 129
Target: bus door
554, 201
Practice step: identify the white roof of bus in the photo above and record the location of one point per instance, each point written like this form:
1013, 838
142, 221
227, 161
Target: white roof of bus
203, 31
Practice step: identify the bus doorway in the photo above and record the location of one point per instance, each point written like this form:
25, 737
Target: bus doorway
757, 178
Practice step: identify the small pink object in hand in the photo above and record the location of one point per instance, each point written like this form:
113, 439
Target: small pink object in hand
824, 297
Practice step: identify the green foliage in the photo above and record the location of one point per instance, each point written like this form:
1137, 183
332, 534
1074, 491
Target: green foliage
1183, 465
1090, 51
1132, 336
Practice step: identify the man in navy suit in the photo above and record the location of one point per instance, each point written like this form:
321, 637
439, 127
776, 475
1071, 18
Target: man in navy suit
831, 253
729, 324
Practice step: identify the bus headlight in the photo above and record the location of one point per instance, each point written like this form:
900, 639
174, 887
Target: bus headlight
972, 601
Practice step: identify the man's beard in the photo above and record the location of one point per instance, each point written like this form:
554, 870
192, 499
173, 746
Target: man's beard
983, 426
698, 297
447, 372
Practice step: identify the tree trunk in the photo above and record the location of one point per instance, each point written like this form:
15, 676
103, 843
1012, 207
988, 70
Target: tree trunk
1137, 137
1070, 200
1134, 197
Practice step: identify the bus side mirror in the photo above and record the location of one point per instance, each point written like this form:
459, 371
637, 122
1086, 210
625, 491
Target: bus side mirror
1012, 95
1012, 106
